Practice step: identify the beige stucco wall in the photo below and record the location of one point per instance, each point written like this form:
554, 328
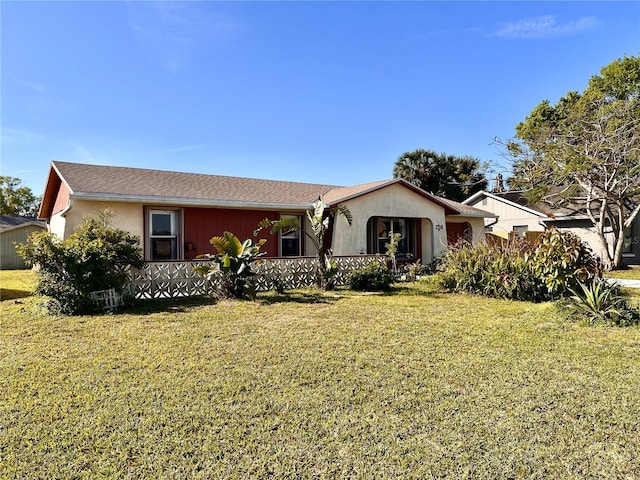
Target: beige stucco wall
127, 216
392, 201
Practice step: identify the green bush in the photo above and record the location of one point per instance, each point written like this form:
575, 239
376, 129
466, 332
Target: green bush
562, 261
602, 302
412, 271
232, 265
520, 270
373, 277
95, 257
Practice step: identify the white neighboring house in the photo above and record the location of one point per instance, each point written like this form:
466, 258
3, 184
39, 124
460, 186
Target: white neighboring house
516, 214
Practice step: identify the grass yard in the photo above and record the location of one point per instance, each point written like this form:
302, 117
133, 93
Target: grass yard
415, 384
631, 273
16, 284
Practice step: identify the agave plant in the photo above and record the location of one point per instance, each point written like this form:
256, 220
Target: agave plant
233, 262
601, 302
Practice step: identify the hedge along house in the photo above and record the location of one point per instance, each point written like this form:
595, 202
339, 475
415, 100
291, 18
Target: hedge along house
175, 214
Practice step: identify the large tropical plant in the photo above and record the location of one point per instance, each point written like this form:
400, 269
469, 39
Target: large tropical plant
320, 218
441, 174
232, 263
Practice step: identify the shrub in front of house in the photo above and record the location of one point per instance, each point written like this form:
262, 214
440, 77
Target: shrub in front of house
232, 265
373, 277
94, 258
519, 270
601, 303
563, 261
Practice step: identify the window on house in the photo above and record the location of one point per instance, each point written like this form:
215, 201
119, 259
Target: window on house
628, 241
290, 240
520, 230
379, 231
163, 235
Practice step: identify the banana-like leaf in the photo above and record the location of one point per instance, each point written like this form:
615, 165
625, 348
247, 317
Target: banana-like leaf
284, 225
228, 243
345, 212
318, 208
220, 244
226, 261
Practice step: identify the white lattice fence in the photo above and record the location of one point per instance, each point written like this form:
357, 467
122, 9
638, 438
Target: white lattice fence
177, 279
168, 280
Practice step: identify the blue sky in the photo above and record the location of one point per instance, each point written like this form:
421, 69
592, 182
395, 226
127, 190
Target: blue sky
320, 92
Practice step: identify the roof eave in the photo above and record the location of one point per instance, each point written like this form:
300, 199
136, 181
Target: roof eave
475, 215
473, 197
23, 225
508, 202
188, 202
566, 218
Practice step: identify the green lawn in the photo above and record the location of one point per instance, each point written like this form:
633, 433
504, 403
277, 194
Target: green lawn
415, 384
16, 284
631, 273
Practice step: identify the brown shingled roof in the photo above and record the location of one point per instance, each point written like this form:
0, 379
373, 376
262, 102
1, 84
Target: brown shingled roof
96, 180
341, 194
467, 210
137, 184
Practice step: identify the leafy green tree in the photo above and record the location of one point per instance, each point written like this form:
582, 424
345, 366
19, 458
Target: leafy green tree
95, 257
584, 151
17, 200
320, 218
441, 174
233, 262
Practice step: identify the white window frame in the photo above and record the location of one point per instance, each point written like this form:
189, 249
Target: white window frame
175, 233
293, 234
521, 230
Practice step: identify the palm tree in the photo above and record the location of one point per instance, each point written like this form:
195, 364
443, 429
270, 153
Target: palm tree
441, 174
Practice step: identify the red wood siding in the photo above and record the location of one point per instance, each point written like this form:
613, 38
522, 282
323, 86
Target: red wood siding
62, 199
200, 224
418, 229
455, 232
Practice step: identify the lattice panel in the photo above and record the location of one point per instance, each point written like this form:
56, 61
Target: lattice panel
168, 280
177, 279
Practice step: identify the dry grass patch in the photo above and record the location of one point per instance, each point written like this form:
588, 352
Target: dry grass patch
414, 384
631, 273
15, 284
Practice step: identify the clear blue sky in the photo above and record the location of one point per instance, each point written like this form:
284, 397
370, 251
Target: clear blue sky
321, 92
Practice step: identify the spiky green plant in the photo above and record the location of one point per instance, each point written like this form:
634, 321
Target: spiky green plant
601, 302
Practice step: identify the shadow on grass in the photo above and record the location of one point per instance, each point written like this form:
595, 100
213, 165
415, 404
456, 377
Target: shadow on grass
10, 294
413, 289
159, 305
174, 305
270, 298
